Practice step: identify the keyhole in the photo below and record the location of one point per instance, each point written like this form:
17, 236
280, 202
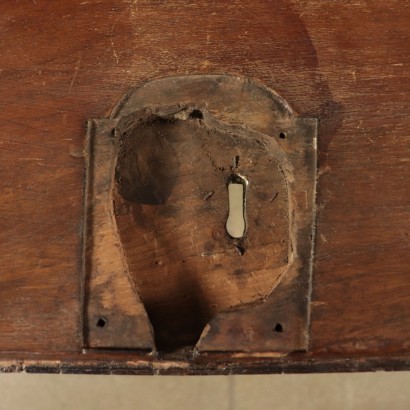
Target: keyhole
236, 222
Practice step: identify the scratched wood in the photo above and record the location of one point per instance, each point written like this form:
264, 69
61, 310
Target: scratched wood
346, 62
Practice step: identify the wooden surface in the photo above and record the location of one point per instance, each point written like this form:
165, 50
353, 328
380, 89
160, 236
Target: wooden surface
347, 62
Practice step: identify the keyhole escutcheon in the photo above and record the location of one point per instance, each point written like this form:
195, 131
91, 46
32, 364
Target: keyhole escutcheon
236, 222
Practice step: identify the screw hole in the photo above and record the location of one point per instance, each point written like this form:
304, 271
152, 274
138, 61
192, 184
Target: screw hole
197, 114
101, 322
278, 328
282, 135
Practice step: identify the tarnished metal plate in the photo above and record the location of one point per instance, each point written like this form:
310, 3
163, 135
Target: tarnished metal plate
157, 182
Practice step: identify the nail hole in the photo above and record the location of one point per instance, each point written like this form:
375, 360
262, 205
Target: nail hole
197, 114
278, 328
240, 249
282, 135
101, 322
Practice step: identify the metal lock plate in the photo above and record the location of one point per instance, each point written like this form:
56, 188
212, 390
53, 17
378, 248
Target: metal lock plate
200, 220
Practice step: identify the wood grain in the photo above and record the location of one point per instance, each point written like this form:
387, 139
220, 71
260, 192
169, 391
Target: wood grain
65, 62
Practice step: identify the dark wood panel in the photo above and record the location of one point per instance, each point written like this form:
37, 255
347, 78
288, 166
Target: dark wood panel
346, 62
